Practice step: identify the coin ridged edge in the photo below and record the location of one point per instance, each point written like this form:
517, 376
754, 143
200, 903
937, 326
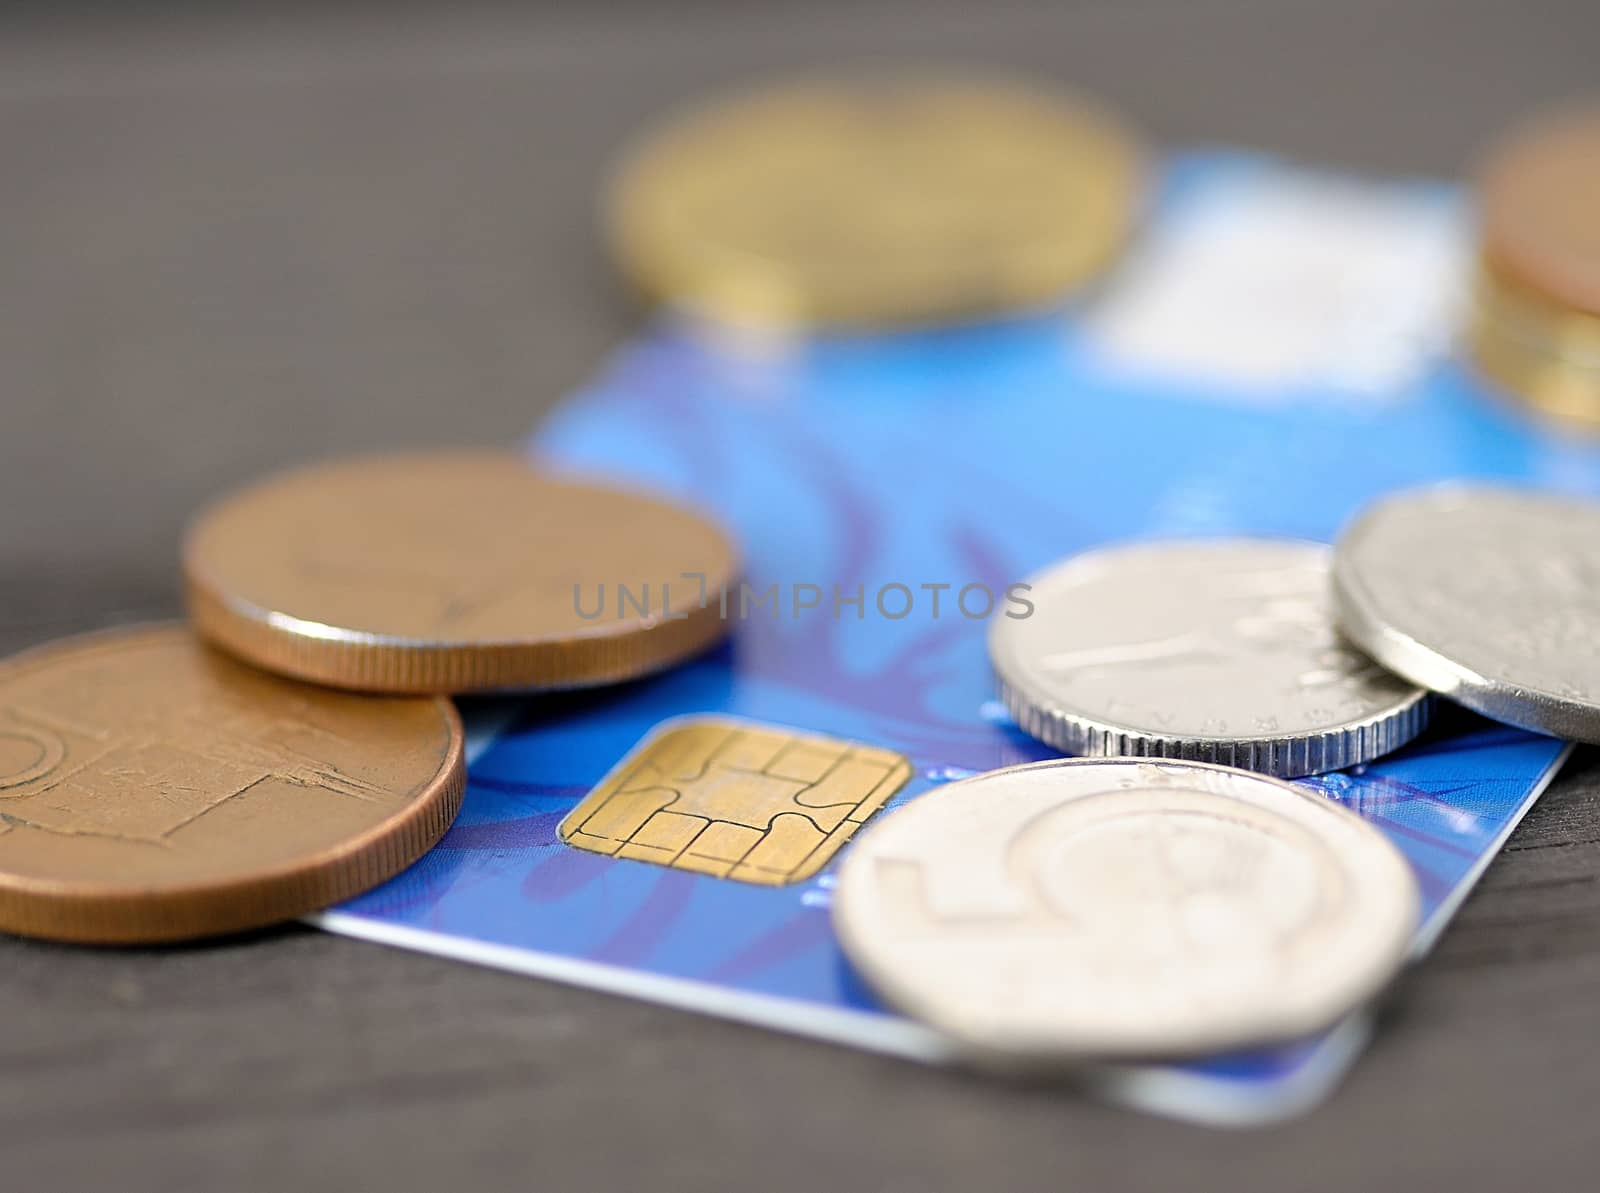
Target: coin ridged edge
1276, 757
47, 910
1281, 756
371, 663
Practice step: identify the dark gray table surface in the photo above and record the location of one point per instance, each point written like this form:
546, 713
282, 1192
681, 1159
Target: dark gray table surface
236, 237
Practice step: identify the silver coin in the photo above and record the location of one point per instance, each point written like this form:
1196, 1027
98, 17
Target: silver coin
1213, 650
1116, 909
1488, 595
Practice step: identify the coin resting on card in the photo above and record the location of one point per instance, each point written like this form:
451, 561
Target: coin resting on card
454, 572
153, 789
1107, 909
1489, 595
1218, 650
876, 202
735, 800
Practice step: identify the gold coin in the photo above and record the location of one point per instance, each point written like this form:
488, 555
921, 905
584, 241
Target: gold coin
1539, 197
152, 789
1542, 352
453, 572
869, 204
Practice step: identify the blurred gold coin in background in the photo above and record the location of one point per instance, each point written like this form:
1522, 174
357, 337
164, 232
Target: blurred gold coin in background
870, 204
453, 572
1539, 201
152, 789
1536, 319
1542, 352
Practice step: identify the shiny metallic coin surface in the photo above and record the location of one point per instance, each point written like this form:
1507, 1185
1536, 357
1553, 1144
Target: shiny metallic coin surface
1488, 595
454, 572
153, 789
1212, 650
870, 203
1539, 207
1085, 910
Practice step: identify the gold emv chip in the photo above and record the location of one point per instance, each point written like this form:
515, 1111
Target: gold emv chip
735, 800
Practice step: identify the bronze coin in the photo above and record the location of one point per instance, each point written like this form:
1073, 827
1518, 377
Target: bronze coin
153, 789
1539, 194
454, 572
873, 202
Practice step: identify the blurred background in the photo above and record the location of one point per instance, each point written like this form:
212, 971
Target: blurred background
236, 235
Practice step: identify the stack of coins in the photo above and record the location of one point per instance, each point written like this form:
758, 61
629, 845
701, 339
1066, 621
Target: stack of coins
1153, 904
1176, 897
156, 788
1169, 895
1536, 321
1081, 910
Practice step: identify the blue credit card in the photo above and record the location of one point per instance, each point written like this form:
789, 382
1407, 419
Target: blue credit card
1274, 352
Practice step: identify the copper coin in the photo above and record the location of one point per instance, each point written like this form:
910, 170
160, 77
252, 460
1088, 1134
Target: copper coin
454, 572
872, 202
1539, 193
152, 789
